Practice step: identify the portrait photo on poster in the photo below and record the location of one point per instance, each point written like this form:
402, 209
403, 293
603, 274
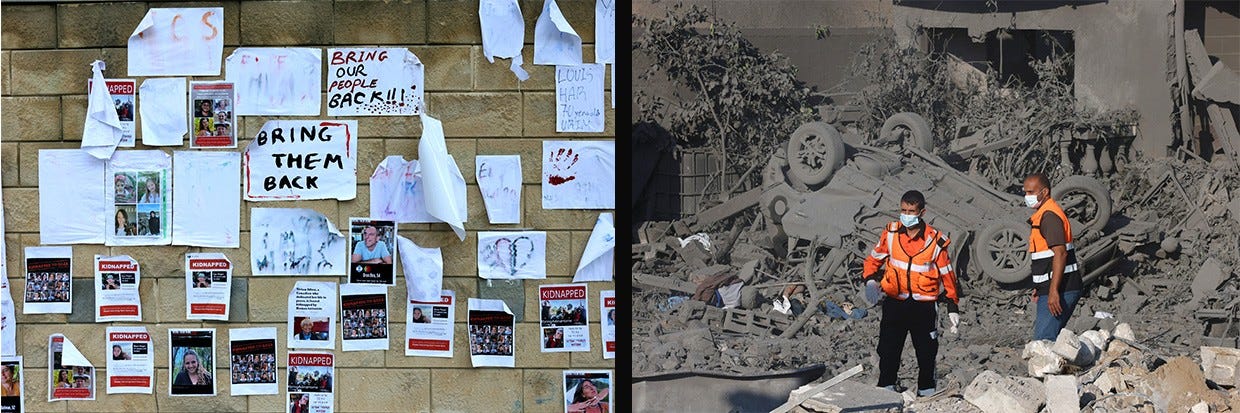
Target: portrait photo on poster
563, 317
429, 326
312, 315
191, 362
116, 289
588, 391
372, 251
130, 360
212, 119
70, 375
12, 381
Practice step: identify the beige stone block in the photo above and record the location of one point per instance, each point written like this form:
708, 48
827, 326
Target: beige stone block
28, 27
396, 357
540, 117
18, 288
543, 390
21, 209
357, 389
165, 261
54, 72
456, 390
359, 207
492, 75
558, 253
118, 403
529, 349
97, 24
530, 151
592, 359
9, 173
549, 219
84, 261
13, 254
286, 23
35, 388
73, 117
453, 22
408, 127
5, 70
369, 154
31, 118
219, 403
463, 152
88, 338
542, 77
28, 172
375, 22
117, 59
449, 67
368, 358
481, 114
240, 257
171, 300
578, 13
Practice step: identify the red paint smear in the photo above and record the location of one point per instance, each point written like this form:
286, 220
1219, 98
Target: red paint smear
348, 136
557, 180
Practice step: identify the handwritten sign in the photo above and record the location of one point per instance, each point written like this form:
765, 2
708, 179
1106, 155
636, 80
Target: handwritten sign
307, 159
276, 81
374, 82
579, 98
178, 42
499, 179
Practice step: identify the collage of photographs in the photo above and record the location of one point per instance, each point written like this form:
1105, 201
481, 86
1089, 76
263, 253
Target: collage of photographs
139, 203
253, 368
47, 287
364, 323
490, 340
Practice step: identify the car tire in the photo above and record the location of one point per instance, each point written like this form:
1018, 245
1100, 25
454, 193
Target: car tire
815, 152
1001, 251
1085, 200
919, 137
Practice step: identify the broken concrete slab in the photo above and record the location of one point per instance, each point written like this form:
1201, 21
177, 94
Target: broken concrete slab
1209, 277
1074, 349
1099, 338
1041, 360
1124, 331
993, 393
1219, 85
1221, 365
850, 396
1062, 394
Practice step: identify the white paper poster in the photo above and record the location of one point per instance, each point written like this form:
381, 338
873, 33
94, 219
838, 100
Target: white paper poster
130, 361
599, 257
604, 31
579, 98
49, 286
276, 80
564, 319
442, 177
374, 82
116, 289
490, 329
122, 92
311, 383
555, 41
12, 396
423, 270
208, 286
8, 319
137, 189
503, 33
70, 376
302, 160
397, 192
178, 42
312, 315
207, 200
588, 391
295, 241
509, 255
372, 252
363, 317
214, 123
102, 131
429, 326
607, 308
579, 175
165, 119
72, 208
499, 180
252, 354
191, 361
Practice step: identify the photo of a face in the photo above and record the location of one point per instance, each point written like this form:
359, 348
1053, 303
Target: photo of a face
126, 188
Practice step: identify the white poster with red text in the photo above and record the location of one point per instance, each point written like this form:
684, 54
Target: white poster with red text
130, 361
563, 317
311, 382
116, 289
429, 326
608, 312
208, 286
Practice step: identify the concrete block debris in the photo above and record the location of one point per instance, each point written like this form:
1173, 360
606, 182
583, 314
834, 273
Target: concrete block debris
998, 394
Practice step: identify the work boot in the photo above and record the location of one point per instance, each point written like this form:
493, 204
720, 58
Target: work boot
926, 392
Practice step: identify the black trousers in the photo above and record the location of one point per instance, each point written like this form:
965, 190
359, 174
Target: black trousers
900, 318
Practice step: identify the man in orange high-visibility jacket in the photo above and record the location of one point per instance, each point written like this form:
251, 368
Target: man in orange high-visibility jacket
918, 274
1057, 280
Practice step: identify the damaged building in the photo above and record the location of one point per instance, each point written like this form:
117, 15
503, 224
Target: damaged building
752, 222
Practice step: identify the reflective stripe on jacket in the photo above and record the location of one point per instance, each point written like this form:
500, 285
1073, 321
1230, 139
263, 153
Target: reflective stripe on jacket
924, 274
1040, 253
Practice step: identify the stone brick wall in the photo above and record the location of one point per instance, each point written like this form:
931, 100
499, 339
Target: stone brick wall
46, 50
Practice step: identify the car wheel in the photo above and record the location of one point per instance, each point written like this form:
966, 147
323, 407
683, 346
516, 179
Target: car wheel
815, 152
1001, 250
907, 129
1085, 200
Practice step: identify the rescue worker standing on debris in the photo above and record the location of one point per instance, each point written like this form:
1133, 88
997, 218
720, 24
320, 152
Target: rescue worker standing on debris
918, 274
1056, 275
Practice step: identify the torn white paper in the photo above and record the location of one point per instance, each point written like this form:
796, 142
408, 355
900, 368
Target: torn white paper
295, 241
579, 98
165, 119
312, 315
72, 209
599, 257
397, 192
276, 80
499, 180
49, 286
579, 175
512, 255
178, 42
429, 326
555, 41
102, 131
116, 289
374, 82
607, 307
252, 361
442, 177
208, 286
8, 319
503, 33
70, 376
137, 190
122, 92
604, 31
423, 269
130, 360
302, 160
491, 335
207, 200
363, 317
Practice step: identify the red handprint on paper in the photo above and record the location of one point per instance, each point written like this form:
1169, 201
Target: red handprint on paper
562, 162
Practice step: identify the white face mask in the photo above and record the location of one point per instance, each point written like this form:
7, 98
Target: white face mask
909, 220
1031, 201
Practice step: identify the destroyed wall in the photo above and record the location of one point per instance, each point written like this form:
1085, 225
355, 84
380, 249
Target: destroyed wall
1219, 25
1123, 60
485, 111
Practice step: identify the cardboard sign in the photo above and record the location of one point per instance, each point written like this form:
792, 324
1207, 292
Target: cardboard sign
301, 160
374, 82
